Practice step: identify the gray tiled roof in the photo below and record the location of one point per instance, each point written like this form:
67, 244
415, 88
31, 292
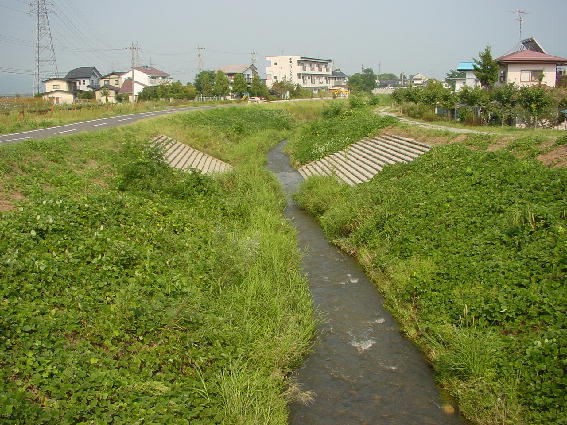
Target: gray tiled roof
82, 72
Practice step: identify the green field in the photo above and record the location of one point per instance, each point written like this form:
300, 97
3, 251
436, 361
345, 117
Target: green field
469, 248
134, 293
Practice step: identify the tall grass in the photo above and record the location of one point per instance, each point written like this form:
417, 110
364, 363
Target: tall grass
133, 292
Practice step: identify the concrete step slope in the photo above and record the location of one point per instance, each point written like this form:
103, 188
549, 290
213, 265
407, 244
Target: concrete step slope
183, 157
362, 160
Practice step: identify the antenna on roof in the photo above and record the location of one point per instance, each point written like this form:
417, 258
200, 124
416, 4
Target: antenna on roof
253, 57
520, 18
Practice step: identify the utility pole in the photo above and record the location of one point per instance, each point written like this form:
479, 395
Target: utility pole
44, 51
134, 48
200, 51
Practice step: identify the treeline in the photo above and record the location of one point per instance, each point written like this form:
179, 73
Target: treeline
536, 105
216, 84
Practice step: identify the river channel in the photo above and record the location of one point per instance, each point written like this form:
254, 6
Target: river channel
362, 369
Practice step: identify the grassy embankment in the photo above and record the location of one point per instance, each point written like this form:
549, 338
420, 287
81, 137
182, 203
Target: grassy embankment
468, 247
134, 293
42, 115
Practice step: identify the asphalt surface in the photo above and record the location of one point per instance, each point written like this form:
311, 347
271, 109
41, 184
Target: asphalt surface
98, 124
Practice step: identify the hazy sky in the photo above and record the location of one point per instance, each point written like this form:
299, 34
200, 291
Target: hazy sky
403, 36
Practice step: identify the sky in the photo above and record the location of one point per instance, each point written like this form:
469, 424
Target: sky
410, 36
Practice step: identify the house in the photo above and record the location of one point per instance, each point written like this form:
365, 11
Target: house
338, 79
311, 73
83, 78
529, 67
147, 76
418, 79
131, 90
247, 70
114, 79
469, 79
59, 91
107, 94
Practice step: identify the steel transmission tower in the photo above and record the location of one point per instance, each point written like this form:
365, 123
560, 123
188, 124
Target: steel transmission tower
45, 63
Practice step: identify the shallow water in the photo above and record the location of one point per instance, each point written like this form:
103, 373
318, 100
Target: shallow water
362, 370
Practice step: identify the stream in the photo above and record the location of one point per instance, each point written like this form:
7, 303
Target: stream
362, 369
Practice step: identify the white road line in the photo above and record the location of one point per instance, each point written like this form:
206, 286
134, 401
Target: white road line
20, 138
67, 131
98, 125
123, 119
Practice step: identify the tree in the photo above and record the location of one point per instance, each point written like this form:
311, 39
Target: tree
282, 89
205, 82
452, 75
239, 86
363, 82
258, 88
222, 87
505, 98
104, 92
486, 69
536, 102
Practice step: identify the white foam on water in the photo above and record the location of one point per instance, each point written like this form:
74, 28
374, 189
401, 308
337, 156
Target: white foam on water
363, 345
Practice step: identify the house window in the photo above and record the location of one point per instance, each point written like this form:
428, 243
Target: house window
275, 63
55, 86
531, 76
275, 78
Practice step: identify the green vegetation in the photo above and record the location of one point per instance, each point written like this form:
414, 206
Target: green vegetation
30, 114
486, 69
168, 91
135, 293
364, 81
340, 127
537, 106
469, 249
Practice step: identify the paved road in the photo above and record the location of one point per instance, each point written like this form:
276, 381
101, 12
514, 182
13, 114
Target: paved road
98, 124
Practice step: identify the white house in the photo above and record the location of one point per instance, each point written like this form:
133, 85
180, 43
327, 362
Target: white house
311, 73
418, 79
58, 90
83, 78
247, 70
469, 80
143, 76
529, 67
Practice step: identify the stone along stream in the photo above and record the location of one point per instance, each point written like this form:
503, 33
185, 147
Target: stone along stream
362, 370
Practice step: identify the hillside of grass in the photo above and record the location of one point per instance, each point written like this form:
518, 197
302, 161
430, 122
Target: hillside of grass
134, 293
468, 248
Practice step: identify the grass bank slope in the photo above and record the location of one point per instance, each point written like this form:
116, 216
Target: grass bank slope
134, 293
340, 127
469, 249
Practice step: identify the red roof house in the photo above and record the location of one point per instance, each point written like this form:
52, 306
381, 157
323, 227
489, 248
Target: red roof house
529, 67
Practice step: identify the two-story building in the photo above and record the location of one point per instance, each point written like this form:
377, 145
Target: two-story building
247, 70
312, 73
83, 78
469, 80
59, 91
142, 76
114, 79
